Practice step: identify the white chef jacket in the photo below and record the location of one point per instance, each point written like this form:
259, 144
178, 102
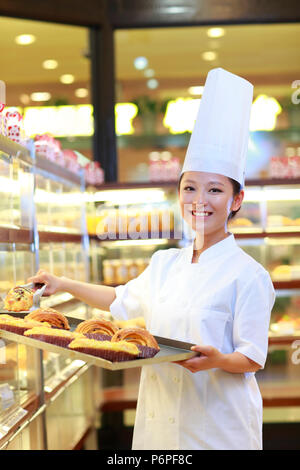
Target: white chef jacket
223, 300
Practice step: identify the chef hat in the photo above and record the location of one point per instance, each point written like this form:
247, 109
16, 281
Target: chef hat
219, 141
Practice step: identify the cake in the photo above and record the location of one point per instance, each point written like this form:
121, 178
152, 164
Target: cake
51, 316
18, 299
18, 325
97, 329
145, 342
114, 352
56, 336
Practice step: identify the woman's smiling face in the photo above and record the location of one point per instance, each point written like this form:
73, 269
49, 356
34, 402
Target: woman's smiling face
206, 200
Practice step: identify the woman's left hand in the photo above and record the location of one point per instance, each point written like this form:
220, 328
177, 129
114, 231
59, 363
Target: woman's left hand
209, 358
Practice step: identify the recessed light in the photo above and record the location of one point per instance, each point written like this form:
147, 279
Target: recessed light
196, 90
67, 78
140, 63
209, 55
215, 32
25, 39
81, 92
152, 83
40, 96
149, 73
24, 98
50, 64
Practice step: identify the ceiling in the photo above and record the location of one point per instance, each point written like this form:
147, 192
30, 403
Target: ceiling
268, 55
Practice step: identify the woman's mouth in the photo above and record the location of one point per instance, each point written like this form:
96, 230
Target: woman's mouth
201, 213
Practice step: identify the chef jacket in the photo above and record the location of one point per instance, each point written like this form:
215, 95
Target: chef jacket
224, 300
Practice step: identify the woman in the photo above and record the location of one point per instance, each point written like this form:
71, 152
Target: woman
211, 294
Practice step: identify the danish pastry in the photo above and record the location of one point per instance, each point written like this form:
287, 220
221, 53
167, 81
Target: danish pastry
18, 325
145, 342
18, 299
114, 352
55, 336
51, 316
97, 329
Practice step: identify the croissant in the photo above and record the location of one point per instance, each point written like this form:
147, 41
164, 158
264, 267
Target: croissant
18, 299
136, 336
51, 316
97, 327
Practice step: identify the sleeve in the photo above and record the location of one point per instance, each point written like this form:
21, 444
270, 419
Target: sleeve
132, 299
252, 317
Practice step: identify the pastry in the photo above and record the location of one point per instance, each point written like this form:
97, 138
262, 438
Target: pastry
18, 299
49, 315
145, 342
55, 336
18, 325
97, 329
114, 352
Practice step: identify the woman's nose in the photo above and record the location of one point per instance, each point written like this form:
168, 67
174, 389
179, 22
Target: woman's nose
200, 199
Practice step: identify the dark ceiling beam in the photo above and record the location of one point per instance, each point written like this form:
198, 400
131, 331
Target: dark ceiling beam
159, 13
76, 12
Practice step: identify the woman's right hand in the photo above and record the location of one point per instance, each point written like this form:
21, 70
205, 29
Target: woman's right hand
53, 283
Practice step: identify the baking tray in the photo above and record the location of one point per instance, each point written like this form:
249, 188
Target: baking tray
170, 350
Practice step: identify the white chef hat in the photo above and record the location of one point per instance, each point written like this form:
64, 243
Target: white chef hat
219, 141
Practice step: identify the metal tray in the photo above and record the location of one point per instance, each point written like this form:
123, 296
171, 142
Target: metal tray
170, 350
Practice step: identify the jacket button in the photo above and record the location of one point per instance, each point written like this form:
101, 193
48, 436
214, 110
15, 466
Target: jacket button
151, 414
176, 379
171, 420
153, 376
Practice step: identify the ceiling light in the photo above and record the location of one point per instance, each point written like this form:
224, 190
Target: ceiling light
215, 32
209, 55
67, 78
50, 64
25, 39
196, 90
24, 98
40, 96
140, 63
149, 73
152, 83
81, 92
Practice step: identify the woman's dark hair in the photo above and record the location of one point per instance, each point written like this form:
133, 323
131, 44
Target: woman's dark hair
237, 187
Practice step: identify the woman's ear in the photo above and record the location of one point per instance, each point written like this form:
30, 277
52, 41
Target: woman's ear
237, 201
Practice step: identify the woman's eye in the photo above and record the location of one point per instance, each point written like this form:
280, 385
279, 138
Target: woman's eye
188, 188
215, 190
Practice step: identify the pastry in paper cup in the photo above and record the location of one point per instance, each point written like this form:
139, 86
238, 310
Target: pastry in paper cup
18, 325
19, 299
56, 336
145, 342
51, 316
113, 352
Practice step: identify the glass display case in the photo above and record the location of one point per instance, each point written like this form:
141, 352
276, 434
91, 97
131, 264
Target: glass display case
42, 226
